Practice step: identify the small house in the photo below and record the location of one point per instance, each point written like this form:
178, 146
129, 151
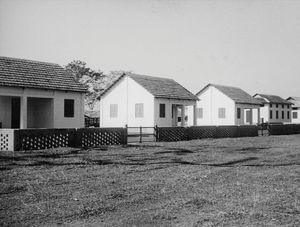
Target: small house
275, 109
37, 94
139, 100
225, 105
295, 109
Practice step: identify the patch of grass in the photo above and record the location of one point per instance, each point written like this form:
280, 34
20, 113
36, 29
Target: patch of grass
222, 182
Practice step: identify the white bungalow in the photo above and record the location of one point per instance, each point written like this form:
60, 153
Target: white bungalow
275, 109
138, 100
224, 105
295, 109
39, 95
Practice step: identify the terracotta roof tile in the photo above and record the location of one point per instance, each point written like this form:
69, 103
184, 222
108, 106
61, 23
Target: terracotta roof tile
34, 74
236, 94
273, 99
159, 87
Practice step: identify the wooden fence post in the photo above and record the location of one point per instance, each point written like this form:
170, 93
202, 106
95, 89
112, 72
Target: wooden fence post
125, 139
141, 134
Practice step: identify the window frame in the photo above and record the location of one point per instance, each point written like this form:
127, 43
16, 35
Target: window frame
221, 112
113, 113
162, 110
69, 108
199, 113
139, 110
295, 114
238, 113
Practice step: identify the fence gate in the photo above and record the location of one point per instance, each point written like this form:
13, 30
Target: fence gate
141, 134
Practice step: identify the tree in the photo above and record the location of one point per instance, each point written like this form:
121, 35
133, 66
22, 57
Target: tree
93, 80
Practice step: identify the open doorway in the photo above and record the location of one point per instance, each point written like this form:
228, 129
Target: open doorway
15, 112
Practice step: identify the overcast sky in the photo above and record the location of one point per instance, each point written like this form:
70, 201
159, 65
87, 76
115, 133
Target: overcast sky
254, 45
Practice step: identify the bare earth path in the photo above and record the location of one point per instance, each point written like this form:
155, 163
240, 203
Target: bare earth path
221, 182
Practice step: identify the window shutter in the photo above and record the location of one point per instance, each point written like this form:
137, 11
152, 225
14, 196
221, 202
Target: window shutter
221, 112
113, 110
139, 110
199, 112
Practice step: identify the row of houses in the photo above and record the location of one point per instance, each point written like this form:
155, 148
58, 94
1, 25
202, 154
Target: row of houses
43, 95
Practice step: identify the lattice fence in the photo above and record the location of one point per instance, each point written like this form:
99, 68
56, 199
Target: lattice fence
36, 139
227, 131
94, 137
248, 131
170, 134
199, 132
284, 129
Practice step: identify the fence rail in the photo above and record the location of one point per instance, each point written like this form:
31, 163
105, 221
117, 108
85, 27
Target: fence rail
168, 134
34, 139
287, 129
140, 134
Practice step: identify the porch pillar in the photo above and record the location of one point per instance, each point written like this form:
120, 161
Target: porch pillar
194, 115
23, 113
182, 115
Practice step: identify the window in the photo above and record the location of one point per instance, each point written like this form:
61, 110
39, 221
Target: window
294, 108
295, 115
282, 114
221, 112
162, 110
139, 110
113, 110
271, 114
270, 105
276, 105
288, 115
69, 108
238, 113
277, 114
199, 112
282, 105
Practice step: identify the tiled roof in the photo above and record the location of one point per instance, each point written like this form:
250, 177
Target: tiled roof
272, 99
236, 94
295, 101
163, 88
34, 74
160, 87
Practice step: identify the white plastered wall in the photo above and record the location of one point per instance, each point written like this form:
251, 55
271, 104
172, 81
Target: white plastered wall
255, 113
211, 99
126, 93
296, 120
57, 120
167, 120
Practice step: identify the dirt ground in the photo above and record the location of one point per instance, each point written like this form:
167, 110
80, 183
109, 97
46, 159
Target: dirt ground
212, 182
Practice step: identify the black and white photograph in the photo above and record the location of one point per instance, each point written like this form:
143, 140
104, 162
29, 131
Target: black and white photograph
150, 113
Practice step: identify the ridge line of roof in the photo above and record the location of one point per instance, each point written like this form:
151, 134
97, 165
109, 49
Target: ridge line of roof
30, 60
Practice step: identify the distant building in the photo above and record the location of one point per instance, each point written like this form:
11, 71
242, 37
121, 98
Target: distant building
224, 105
138, 100
275, 109
295, 108
37, 94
